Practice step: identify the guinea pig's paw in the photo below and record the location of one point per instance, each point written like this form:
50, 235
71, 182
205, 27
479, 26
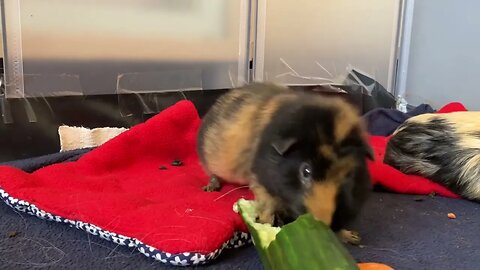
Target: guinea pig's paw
278, 221
209, 188
265, 218
213, 185
351, 237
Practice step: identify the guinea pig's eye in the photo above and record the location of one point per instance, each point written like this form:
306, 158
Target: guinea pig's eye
305, 172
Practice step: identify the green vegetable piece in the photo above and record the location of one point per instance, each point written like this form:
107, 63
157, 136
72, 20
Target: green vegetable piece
305, 244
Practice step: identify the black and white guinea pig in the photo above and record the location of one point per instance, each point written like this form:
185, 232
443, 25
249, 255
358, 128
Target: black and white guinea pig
444, 148
299, 152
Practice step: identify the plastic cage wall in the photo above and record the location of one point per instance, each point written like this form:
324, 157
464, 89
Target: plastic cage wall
117, 63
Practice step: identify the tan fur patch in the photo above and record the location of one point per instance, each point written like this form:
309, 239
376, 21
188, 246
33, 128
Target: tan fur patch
327, 151
243, 138
238, 136
346, 119
340, 169
422, 118
464, 123
321, 202
321, 199
218, 135
469, 141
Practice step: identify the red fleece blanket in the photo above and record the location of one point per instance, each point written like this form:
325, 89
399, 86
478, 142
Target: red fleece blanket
128, 191
121, 192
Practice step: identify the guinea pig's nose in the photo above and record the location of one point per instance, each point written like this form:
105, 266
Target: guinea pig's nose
321, 201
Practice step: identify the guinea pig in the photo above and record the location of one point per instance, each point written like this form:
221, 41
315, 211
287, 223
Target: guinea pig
299, 152
444, 148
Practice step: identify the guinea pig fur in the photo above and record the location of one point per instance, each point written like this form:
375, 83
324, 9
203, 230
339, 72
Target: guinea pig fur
299, 152
444, 148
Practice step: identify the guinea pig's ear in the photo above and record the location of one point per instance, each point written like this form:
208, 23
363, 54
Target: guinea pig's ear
369, 151
283, 145
358, 145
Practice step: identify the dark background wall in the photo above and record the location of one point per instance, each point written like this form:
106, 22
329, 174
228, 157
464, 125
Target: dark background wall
29, 127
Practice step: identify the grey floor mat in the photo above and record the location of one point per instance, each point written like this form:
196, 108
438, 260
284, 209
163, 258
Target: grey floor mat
397, 229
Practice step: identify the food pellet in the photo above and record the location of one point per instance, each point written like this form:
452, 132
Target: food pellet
451, 216
419, 199
177, 162
12, 234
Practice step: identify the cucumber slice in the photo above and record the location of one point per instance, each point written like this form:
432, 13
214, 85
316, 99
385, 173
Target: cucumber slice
303, 244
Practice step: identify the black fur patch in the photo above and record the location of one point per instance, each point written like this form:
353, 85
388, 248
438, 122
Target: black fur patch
355, 144
279, 174
312, 126
353, 194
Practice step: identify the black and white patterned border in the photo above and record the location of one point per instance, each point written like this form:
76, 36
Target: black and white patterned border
181, 259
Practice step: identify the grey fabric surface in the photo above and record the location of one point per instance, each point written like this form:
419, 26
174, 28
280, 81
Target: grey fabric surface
33, 164
396, 229
404, 231
48, 245
383, 122
409, 234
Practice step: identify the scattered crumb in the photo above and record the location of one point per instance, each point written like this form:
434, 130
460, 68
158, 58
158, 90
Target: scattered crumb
177, 162
361, 246
163, 168
451, 216
419, 199
12, 234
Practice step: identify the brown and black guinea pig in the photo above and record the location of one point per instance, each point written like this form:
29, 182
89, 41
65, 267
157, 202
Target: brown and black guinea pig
444, 148
298, 152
